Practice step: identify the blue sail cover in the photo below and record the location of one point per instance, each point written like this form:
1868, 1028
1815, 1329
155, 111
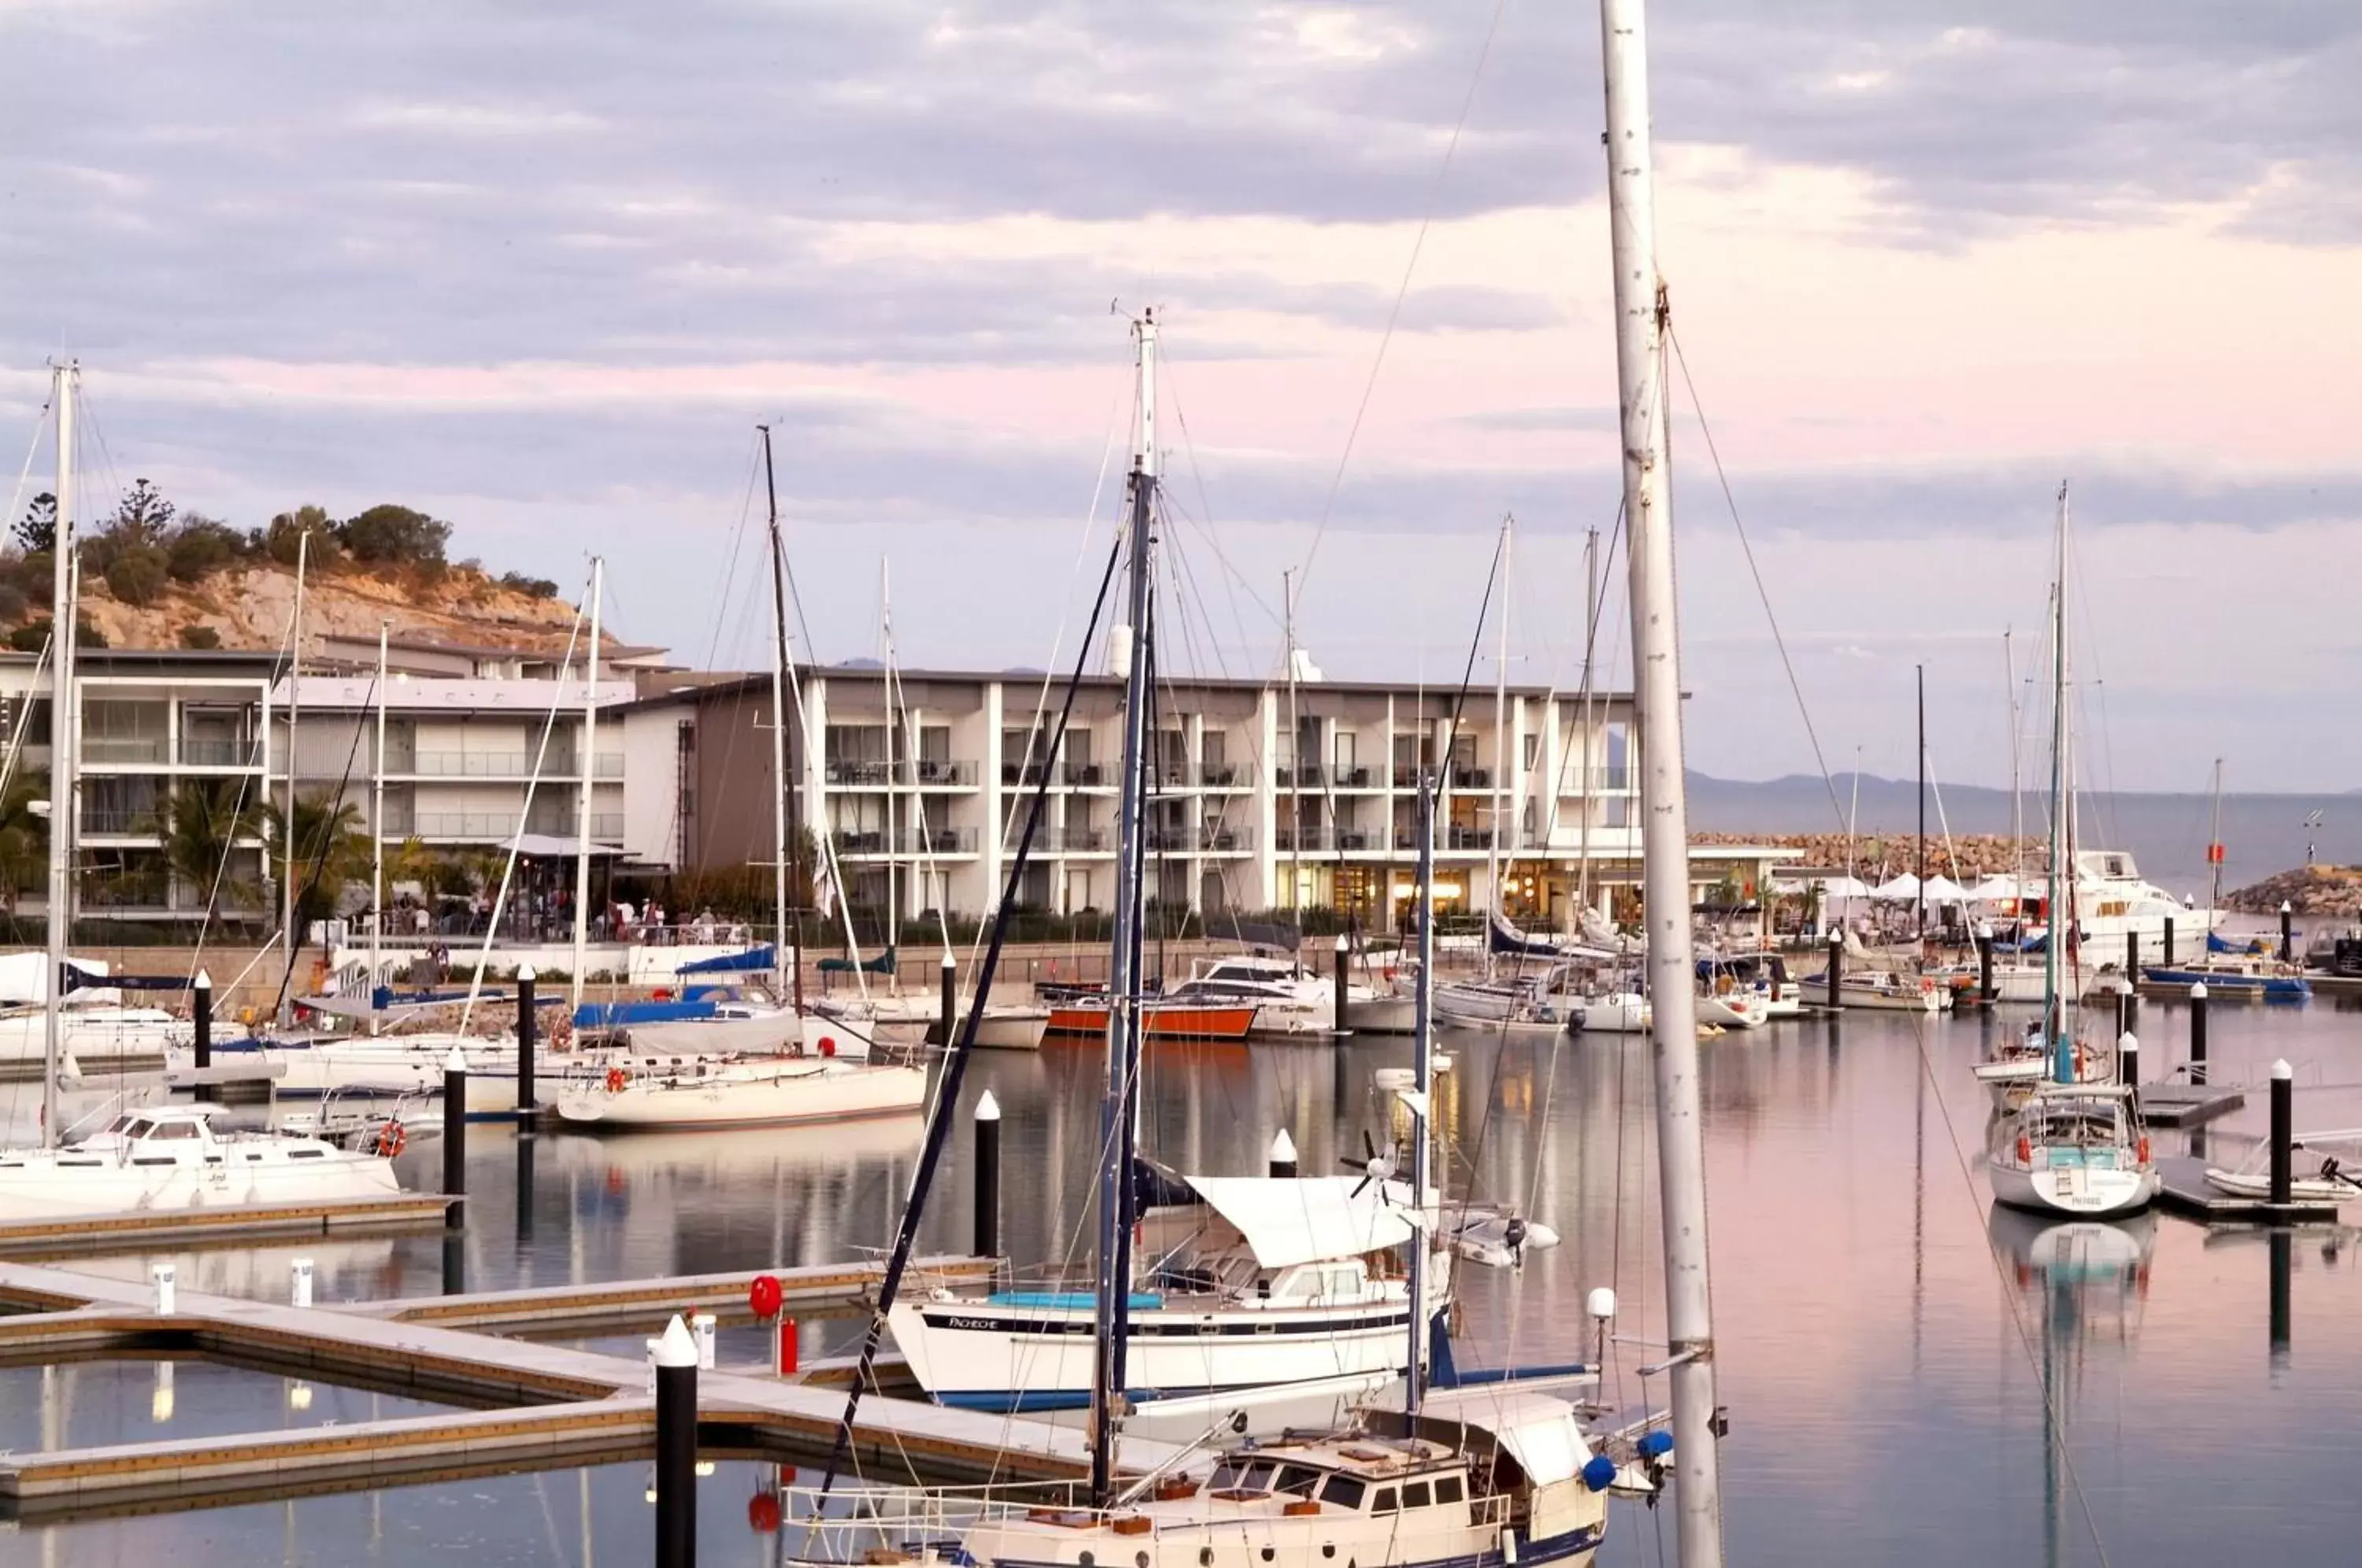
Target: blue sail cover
753, 960
624, 1014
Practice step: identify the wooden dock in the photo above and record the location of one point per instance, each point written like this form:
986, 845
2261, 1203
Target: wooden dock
189, 1229
2187, 1191
537, 1405
2188, 1105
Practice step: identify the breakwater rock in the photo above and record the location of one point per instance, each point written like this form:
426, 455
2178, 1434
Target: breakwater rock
2307, 890
1964, 858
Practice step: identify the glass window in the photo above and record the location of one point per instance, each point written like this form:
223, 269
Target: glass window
140, 1129
1448, 1489
1385, 1501
1345, 1491
177, 1129
1244, 1476
1299, 1479
1415, 1495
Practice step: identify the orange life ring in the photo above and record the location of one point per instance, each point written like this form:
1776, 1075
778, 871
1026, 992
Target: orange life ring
2024, 1150
391, 1139
616, 1079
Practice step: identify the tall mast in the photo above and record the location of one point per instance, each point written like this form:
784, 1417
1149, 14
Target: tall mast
2214, 850
787, 974
287, 828
1583, 789
1500, 739
1295, 740
1921, 906
2054, 1015
1124, 971
377, 840
894, 713
65, 766
1422, 1072
1642, 396
2017, 795
590, 760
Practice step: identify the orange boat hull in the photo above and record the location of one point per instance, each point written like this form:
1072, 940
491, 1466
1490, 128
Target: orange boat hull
1160, 1023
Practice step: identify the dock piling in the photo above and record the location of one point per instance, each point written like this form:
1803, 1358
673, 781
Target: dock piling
2281, 1246
1282, 1156
2283, 1128
525, 1106
676, 1372
1837, 967
950, 1004
2288, 932
1985, 961
2132, 959
2198, 1033
987, 1176
2168, 942
2128, 1059
201, 1017
454, 1134
299, 1281
1344, 954
165, 1278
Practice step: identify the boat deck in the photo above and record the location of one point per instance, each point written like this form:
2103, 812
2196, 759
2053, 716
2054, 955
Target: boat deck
2188, 1105
2186, 1190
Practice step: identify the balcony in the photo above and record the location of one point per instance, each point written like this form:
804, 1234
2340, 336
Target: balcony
1468, 838
485, 764
927, 841
195, 753
119, 821
1470, 778
1300, 840
104, 749
1225, 840
484, 825
872, 773
935, 773
1307, 777
1217, 776
1353, 779
1027, 774
607, 827
1084, 841
1084, 776
134, 892
1604, 781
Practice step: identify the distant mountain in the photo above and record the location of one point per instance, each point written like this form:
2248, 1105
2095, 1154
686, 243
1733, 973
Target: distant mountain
2167, 834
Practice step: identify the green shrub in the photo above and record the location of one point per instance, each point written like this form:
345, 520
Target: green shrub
201, 547
138, 573
394, 534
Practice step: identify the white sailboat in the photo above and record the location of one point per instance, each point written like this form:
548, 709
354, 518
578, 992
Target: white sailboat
2071, 1146
772, 1091
143, 1158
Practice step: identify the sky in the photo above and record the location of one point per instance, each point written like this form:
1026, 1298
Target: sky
542, 269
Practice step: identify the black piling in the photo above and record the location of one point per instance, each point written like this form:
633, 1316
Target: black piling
1837, 967
525, 1150
2132, 957
2198, 1033
2288, 932
988, 1174
2281, 1243
2168, 942
1985, 963
2283, 1129
201, 1015
455, 1136
676, 1359
2128, 1059
1344, 956
949, 1008
526, 1108
1283, 1157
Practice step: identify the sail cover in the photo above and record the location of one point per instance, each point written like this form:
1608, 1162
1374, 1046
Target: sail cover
1539, 1431
1288, 1221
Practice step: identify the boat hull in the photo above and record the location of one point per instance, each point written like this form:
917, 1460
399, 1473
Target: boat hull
64, 1183
789, 1095
1158, 1022
2084, 1191
1380, 1015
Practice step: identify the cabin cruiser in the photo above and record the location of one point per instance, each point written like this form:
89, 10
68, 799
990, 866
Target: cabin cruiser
2074, 1149
175, 1157
1287, 998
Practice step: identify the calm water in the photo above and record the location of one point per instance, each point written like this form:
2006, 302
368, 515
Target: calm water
1889, 1347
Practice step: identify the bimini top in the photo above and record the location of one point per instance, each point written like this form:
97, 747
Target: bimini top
1285, 1219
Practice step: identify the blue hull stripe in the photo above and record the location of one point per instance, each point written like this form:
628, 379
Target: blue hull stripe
1557, 1549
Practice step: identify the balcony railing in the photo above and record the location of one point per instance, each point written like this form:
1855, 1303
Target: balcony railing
473, 825
926, 841
607, 765
124, 749
1604, 781
1084, 841
1217, 776
940, 771
1307, 777
486, 765
1084, 775
220, 754
607, 826
133, 892
1025, 773
120, 821
860, 770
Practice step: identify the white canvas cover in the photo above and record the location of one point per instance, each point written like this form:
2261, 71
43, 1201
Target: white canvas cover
1286, 1221
1942, 889
1539, 1431
1902, 889
25, 980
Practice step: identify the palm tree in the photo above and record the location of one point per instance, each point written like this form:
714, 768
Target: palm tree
331, 851
201, 826
24, 835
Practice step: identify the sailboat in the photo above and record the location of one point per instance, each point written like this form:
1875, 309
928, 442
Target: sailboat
171, 1157
2073, 1145
2221, 968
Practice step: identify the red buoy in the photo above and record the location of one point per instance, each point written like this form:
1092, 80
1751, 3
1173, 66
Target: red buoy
763, 1513
764, 1295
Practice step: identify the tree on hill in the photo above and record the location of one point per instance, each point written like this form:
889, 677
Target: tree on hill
201, 547
37, 531
282, 540
142, 518
394, 534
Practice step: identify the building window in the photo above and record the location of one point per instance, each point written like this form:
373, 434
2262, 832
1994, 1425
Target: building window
1533, 752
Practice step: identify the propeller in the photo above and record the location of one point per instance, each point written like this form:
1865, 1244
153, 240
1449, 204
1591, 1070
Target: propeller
1374, 1167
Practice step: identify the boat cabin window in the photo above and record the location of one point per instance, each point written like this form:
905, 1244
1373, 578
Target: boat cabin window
1416, 1495
1299, 1479
1244, 1476
1346, 1281
1296, 1285
1345, 1491
174, 1129
139, 1129
1448, 1489
1383, 1503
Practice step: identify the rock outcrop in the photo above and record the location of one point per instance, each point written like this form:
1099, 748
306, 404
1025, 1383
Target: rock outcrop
1964, 858
2335, 891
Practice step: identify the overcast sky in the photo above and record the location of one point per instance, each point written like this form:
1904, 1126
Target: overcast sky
541, 269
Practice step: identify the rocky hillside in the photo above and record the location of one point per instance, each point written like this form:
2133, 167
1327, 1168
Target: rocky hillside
1875, 858
2309, 890
249, 606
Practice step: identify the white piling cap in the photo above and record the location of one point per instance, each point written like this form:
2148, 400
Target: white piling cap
2281, 1071
2127, 1042
1985, 931
203, 982
987, 1108
525, 972
1283, 1148
677, 1347
1345, 943
2287, 908
456, 1062
1837, 939
949, 962
2198, 990
1600, 1303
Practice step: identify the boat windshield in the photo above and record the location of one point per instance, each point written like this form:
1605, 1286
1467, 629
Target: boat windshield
1244, 1476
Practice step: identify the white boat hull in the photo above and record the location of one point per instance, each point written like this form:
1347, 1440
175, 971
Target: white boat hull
1380, 1015
97, 1038
779, 1094
1740, 1009
1613, 1015
2081, 1190
1925, 998
60, 1183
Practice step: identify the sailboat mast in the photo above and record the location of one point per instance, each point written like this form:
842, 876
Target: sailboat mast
788, 972
377, 840
1493, 858
1643, 399
1920, 672
2054, 1015
2214, 850
64, 732
582, 799
1422, 1074
1295, 740
1583, 789
287, 829
1123, 972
